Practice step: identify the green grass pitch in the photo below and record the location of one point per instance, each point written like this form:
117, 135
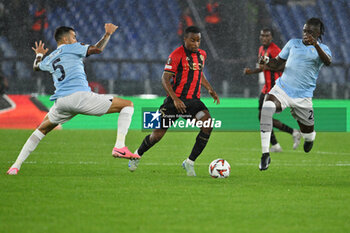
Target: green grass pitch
71, 183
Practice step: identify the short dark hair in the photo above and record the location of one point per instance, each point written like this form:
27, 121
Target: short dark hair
266, 29
62, 31
192, 29
318, 23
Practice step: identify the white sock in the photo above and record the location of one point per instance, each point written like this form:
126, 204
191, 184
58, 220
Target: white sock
28, 148
265, 141
309, 137
124, 121
267, 111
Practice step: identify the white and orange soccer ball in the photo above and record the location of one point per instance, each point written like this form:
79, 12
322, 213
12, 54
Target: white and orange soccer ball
219, 168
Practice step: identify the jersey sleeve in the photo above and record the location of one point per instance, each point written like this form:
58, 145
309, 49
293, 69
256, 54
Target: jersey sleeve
79, 49
326, 50
284, 54
173, 62
204, 54
44, 65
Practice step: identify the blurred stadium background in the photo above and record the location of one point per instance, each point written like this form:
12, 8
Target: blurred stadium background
149, 30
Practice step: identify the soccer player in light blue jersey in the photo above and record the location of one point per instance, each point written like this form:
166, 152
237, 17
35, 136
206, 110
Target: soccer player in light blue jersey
73, 95
303, 59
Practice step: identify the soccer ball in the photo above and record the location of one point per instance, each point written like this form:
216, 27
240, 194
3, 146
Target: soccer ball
219, 168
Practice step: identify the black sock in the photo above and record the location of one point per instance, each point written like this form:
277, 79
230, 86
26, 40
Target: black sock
273, 138
287, 129
145, 145
279, 125
201, 142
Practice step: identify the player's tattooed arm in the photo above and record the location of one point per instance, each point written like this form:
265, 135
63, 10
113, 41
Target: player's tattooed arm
40, 52
210, 89
101, 44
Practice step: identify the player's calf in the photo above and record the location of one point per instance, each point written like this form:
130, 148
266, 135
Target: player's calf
267, 111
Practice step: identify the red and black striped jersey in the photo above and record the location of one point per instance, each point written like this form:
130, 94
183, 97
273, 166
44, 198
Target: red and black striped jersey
187, 68
270, 76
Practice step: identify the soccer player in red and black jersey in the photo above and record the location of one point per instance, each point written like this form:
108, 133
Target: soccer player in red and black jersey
182, 79
271, 50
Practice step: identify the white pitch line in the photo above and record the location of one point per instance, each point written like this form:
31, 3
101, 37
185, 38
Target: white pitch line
197, 164
241, 150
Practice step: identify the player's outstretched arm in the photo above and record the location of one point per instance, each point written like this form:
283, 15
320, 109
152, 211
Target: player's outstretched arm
40, 52
252, 71
273, 63
101, 44
210, 89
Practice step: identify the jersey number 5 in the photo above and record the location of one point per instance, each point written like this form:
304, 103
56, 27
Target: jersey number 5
63, 74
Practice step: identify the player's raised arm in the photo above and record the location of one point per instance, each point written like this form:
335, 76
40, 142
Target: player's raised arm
101, 44
326, 59
40, 52
210, 89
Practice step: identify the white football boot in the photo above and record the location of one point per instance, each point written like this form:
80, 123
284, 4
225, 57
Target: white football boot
276, 148
133, 163
296, 138
189, 167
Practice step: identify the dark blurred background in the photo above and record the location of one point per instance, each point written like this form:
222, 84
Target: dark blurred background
149, 30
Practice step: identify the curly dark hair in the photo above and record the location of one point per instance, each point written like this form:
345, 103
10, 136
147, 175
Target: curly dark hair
318, 23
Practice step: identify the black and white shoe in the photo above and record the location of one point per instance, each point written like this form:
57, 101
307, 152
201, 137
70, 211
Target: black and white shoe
265, 161
308, 146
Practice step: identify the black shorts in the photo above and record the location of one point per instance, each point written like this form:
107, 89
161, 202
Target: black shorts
193, 106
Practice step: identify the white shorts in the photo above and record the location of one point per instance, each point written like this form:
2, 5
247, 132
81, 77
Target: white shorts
82, 102
300, 108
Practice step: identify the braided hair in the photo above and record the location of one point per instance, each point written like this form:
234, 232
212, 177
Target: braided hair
318, 23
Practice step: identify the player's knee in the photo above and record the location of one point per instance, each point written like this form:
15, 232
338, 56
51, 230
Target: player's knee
129, 103
207, 130
268, 108
201, 115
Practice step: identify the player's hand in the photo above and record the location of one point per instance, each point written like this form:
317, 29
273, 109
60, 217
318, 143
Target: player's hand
215, 96
311, 40
110, 28
40, 48
247, 71
263, 60
179, 105
265, 67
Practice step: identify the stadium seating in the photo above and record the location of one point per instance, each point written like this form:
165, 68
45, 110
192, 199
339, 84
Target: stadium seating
145, 32
290, 18
12, 67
